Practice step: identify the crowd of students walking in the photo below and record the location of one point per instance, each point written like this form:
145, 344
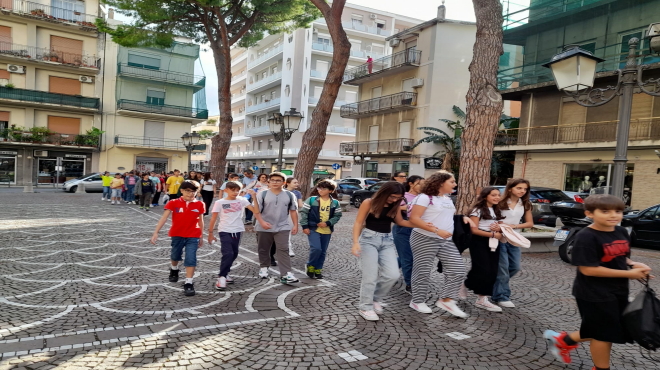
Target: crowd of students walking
406, 225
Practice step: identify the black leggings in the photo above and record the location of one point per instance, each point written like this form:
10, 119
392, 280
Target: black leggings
483, 273
156, 198
207, 197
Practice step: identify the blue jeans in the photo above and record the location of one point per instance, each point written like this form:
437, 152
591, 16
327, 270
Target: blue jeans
402, 243
106, 192
318, 246
248, 215
379, 268
229, 243
129, 193
190, 245
509, 266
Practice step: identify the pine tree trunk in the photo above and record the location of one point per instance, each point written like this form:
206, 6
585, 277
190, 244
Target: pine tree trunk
484, 104
314, 137
220, 143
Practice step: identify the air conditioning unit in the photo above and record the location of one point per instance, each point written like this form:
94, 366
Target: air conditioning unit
394, 42
15, 69
372, 16
41, 153
417, 82
86, 79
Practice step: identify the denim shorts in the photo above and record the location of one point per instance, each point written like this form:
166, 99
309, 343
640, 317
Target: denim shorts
190, 245
115, 193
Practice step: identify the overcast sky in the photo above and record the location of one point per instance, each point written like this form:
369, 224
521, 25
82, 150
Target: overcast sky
422, 9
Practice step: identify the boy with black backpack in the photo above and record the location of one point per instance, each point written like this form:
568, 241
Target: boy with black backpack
278, 211
601, 253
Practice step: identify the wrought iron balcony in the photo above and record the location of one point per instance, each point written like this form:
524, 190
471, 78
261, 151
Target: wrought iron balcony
149, 142
177, 78
48, 138
49, 13
50, 56
34, 96
376, 147
168, 110
640, 129
384, 104
395, 63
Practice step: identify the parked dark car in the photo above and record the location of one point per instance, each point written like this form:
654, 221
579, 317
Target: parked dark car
644, 227
360, 195
347, 188
541, 199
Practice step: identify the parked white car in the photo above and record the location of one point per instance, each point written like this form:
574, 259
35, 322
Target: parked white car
93, 183
364, 182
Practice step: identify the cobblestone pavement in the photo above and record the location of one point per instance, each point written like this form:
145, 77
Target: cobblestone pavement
83, 288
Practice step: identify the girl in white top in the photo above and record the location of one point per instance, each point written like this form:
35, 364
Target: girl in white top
517, 212
433, 216
208, 191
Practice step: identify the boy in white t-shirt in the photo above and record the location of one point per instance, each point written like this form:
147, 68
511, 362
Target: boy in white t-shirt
230, 228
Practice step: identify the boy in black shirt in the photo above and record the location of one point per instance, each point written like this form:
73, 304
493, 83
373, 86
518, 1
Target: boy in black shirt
602, 254
145, 189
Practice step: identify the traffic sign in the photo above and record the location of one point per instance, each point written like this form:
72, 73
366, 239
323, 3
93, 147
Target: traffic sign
255, 168
336, 166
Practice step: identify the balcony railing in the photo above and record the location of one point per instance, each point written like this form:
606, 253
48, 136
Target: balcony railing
9, 49
640, 129
384, 104
341, 130
376, 147
49, 13
354, 53
45, 97
160, 75
264, 81
262, 58
51, 138
170, 110
240, 76
361, 27
314, 100
408, 57
318, 74
266, 104
516, 14
261, 130
149, 142
275, 152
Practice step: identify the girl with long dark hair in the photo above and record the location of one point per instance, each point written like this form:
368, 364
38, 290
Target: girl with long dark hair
485, 212
517, 212
208, 190
373, 243
401, 234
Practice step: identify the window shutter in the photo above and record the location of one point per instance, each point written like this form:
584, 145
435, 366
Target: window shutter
407, 85
573, 113
143, 61
4, 75
154, 129
69, 50
5, 38
64, 125
642, 106
4, 116
61, 85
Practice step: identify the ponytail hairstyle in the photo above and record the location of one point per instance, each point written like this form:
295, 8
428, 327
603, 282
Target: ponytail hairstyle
481, 205
412, 180
434, 182
507, 194
379, 200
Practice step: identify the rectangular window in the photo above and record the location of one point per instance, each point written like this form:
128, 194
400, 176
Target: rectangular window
142, 61
595, 178
351, 96
68, 51
356, 18
60, 85
380, 24
323, 40
404, 130
5, 38
505, 59
64, 125
155, 97
407, 85
4, 120
4, 75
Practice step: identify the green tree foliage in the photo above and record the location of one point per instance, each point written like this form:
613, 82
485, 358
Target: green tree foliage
450, 142
205, 134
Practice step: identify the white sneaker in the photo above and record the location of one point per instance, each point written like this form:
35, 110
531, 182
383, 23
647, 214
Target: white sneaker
420, 307
291, 254
102, 199
487, 305
109, 200
221, 284
263, 273
113, 202
462, 293
369, 315
378, 308
230, 280
451, 307
507, 304
289, 278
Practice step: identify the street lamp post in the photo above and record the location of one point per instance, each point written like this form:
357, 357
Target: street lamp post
189, 142
282, 126
574, 71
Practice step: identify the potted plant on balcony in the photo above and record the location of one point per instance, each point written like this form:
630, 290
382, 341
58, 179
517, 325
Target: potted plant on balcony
90, 138
39, 134
37, 12
77, 62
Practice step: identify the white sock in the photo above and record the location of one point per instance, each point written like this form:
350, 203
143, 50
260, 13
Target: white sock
189, 280
174, 267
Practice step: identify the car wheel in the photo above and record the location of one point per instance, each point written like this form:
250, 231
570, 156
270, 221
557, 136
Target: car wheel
73, 189
566, 251
357, 201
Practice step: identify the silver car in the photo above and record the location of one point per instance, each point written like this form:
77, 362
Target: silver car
93, 183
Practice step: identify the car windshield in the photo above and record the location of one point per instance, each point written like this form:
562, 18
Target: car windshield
370, 182
350, 186
86, 176
552, 195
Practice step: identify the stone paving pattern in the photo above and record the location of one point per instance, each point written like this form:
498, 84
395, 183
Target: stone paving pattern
82, 288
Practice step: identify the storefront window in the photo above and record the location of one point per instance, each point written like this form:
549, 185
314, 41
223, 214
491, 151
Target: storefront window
72, 169
7, 169
401, 166
595, 178
371, 169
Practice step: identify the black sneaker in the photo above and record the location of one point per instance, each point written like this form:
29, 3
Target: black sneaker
408, 289
318, 274
174, 276
188, 290
310, 271
273, 262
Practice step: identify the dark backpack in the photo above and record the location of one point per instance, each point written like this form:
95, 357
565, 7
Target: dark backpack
642, 319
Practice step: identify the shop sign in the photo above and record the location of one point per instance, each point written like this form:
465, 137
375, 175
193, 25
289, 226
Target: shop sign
8, 152
432, 163
145, 167
75, 156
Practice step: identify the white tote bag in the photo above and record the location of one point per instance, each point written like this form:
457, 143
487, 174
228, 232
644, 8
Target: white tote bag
514, 238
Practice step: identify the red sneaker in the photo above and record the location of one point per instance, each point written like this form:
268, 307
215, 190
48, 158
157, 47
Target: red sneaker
558, 346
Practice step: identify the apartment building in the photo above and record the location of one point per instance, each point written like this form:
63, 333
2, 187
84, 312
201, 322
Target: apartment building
561, 144
415, 86
151, 98
49, 92
287, 71
201, 154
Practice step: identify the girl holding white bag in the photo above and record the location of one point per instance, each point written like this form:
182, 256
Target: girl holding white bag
517, 211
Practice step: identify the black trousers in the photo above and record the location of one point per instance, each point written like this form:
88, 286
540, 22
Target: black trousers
207, 197
229, 243
156, 198
483, 273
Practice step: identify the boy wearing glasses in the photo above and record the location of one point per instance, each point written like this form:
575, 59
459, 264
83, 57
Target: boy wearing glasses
276, 205
318, 217
186, 232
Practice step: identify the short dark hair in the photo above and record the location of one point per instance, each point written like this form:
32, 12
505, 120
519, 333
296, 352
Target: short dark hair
145, 174
232, 175
604, 202
118, 173
249, 172
233, 185
327, 184
190, 184
277, 174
